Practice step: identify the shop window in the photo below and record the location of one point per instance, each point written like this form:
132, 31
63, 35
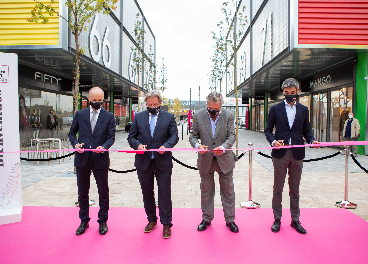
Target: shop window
341, 105
319, 124
44, 114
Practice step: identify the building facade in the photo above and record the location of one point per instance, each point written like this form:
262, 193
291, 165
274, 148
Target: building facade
46, 55
323, 44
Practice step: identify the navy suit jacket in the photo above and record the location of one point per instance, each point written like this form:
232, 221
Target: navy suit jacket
165, 134
103, 135
301, 128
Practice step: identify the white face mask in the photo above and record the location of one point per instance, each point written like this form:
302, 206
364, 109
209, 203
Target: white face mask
350, 116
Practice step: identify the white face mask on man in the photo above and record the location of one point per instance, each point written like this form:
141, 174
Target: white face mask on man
350, 116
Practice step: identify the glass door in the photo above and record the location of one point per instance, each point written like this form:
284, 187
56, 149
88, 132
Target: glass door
319, 124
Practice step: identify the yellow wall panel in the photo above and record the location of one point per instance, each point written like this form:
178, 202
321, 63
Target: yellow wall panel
16, 30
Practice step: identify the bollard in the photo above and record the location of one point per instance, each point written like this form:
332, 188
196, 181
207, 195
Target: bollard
250, 204
346, 204
182, 132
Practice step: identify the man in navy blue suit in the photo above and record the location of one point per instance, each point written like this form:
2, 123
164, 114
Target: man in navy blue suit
155, 129
96, 128
291, 120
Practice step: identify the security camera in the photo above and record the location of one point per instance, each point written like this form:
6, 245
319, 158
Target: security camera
365, 78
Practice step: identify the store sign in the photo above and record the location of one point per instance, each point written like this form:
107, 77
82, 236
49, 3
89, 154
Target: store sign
321, 81
35, 78
329, 79
46, 78
10, 185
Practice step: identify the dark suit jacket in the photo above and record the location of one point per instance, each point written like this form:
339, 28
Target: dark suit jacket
103, 135
166, 134
301, 128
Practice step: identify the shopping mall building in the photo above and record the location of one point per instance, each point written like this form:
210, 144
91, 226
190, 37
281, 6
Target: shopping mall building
323, 44
46, 57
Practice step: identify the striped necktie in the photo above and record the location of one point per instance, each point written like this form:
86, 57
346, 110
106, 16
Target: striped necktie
93, 120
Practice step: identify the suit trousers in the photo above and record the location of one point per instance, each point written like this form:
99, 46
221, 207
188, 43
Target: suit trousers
226, 191
294, 168
83, 181
163, 178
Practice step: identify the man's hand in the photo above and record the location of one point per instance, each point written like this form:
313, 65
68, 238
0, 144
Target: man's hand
99, 147
316, 142
142, 147
278, 143
203, 149
79, 146
218, 151
161, 152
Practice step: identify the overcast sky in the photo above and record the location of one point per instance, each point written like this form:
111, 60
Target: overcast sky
183, 37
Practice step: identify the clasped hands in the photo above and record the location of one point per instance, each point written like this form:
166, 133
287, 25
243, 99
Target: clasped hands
144, 147
80, 146
279, 143
203, 149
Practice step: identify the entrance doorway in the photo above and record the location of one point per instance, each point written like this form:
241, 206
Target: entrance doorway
319, 125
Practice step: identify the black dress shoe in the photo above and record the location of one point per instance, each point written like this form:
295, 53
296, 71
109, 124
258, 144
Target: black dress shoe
276, 226
82, 228
103, 228
203, 225
233, 227
298, 227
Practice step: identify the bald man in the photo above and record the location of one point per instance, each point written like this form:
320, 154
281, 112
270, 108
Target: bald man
96, 128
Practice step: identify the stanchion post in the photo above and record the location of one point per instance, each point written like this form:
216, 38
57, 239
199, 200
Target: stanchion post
250, 204
182, 132
346, 204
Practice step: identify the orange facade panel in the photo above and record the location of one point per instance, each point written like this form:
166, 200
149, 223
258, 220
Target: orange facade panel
333, 22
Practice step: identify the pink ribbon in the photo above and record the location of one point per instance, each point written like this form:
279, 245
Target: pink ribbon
321, 144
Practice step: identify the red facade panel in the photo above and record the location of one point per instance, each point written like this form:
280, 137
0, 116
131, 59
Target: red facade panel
335, 22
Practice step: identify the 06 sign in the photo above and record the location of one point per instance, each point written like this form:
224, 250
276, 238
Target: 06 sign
104, 47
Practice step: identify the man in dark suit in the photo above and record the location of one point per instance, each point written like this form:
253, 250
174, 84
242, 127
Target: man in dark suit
291, 120
155, 129
96, 128
213, 129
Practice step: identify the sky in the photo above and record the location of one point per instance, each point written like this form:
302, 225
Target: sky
184, 39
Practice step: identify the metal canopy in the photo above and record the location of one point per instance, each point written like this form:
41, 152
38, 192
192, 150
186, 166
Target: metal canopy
298, 63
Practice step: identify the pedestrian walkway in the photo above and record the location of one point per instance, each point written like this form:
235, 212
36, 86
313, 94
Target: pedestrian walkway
322, 181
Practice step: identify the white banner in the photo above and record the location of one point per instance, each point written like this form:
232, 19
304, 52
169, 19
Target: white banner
10, 185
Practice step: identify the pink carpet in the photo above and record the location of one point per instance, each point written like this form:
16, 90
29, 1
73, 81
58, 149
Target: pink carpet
47, 235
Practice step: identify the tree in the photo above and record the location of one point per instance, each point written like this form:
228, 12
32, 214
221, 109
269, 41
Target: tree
138, 53
219, 57
234, 24
151, 80
80, 13
163, 76
176, 106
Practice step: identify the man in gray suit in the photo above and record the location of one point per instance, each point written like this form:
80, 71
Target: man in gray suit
214, 127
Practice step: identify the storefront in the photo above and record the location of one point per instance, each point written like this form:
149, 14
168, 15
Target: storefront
46, 65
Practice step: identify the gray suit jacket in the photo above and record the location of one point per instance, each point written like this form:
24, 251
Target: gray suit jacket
224, 136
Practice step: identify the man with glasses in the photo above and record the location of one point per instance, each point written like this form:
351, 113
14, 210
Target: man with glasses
291, 120
213, 132
155, 129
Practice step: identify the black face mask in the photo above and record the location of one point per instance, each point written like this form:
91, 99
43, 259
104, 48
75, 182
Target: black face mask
290, 98
153, 110
213, 112
95, 105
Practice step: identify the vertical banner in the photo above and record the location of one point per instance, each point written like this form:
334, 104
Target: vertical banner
10, 185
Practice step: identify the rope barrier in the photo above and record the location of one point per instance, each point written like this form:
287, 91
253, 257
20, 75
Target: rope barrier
310, 160
126, 171
57, 158
182, 164
357, 163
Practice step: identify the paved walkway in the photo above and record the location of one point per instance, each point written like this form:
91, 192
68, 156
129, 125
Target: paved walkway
322, 182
